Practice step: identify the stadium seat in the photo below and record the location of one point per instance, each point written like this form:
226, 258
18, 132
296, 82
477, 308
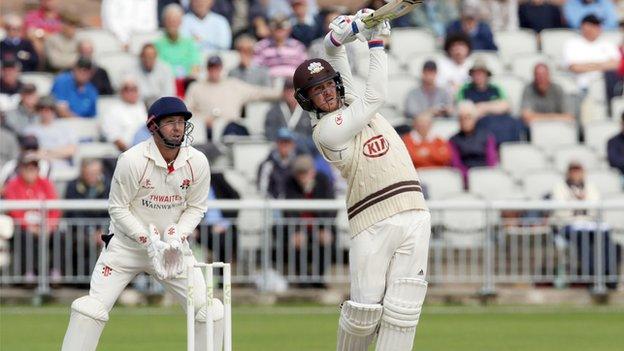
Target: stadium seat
551, 134
444, 128
515, 43
405, 42
613, 217
491, 58
248, 156
117, 65
597, 91
539, 184
441, 182
566, 81
398, 87
104, 103
617, 107
43, 81
492, 184
415, 64
245, 188
2, 33
513, 88
608, 181
64, 174
255, 115
464, 228
519, 159
137, 41
86, 129
104, 42
598, 133
523, 65
562, 157
553, 41
199, 131
97, 150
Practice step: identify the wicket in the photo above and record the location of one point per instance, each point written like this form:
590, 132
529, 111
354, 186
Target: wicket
227, 305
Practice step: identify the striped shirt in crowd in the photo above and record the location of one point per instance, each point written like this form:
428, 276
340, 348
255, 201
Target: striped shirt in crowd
281, 61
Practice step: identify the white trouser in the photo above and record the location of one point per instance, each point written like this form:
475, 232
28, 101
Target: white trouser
396, 247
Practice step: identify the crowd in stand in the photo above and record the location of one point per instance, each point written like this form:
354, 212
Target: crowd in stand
186, 56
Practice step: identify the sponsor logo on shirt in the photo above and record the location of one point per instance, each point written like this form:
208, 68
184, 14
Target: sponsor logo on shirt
339, 119
162, 202
185, 184
107, 271
376, 146
147, 184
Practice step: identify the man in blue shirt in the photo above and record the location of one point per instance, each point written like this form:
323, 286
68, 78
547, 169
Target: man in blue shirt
210, 30
481, 37
575, 10
75, 95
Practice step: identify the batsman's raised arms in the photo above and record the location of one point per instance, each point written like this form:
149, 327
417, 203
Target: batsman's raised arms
390, 11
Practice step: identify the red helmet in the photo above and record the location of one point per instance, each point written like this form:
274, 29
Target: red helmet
310, 73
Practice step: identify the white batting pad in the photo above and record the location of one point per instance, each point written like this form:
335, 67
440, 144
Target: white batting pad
218, 313
401, 310
357, 325
87, 320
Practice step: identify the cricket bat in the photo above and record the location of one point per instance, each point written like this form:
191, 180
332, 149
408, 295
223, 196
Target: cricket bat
389, 11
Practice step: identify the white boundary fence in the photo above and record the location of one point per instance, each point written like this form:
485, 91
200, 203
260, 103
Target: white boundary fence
473, 242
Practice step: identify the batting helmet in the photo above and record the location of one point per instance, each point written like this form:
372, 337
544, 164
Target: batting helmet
310, 73
164, 107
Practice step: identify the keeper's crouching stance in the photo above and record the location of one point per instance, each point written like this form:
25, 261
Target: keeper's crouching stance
388, 217
159, 186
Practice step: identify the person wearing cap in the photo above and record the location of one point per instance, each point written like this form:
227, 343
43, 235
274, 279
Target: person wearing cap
575, 10
590, 56
75, 94
428, 98
99, 78
57, 142
10, 82
389, 220
210, 30
26, 112
454, 66
15, 45
213, 99
125, 115
280, 53
273, 172
470, 24
615, 149
180, 52
159, 186
61, 49
247, 70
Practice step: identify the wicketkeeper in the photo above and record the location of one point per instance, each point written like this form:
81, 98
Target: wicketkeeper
388, 217
159, 186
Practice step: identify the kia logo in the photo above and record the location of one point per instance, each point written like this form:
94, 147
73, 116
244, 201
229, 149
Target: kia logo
376, 146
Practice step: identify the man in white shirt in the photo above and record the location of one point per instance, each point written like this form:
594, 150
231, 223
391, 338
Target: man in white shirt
589, 56
127, 17
453, 68
210, 30
125, 116
154, 78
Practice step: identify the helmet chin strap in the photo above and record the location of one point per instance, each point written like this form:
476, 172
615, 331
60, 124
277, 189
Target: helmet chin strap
168, 143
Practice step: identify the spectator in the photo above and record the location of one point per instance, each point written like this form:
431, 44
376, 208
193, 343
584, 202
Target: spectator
304, 29
210, 30
501, 15
61, 49
26, 112
42, 23
425, 149
125, 18
491, 103
615, 150
313, 234
575, 10
74, 92
28, 185
15, 46
453, 68
469, 23
259, 19
471, 146
279, 53
246, 70
274, 171
125, 116
90, 185
434, 15
179, 52
57, 142
99, 76
27, 144
287, 114
10, 82
213, 98
545, 100
284, 8
589, 56
154, 78
539, 15
428, 98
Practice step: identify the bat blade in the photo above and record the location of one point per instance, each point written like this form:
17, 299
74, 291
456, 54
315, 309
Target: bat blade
389, 11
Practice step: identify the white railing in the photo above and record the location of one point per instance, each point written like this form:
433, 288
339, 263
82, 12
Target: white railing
473, 242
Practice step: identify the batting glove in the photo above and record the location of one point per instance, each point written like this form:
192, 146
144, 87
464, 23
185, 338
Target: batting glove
342, 30
363, 33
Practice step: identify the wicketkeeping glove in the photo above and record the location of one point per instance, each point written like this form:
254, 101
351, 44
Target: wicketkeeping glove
155, 251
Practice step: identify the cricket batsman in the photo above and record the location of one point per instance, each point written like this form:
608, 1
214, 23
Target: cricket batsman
159, 186
388, 218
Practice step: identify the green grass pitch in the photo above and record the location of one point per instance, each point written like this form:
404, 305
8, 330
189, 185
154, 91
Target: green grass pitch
287, 328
